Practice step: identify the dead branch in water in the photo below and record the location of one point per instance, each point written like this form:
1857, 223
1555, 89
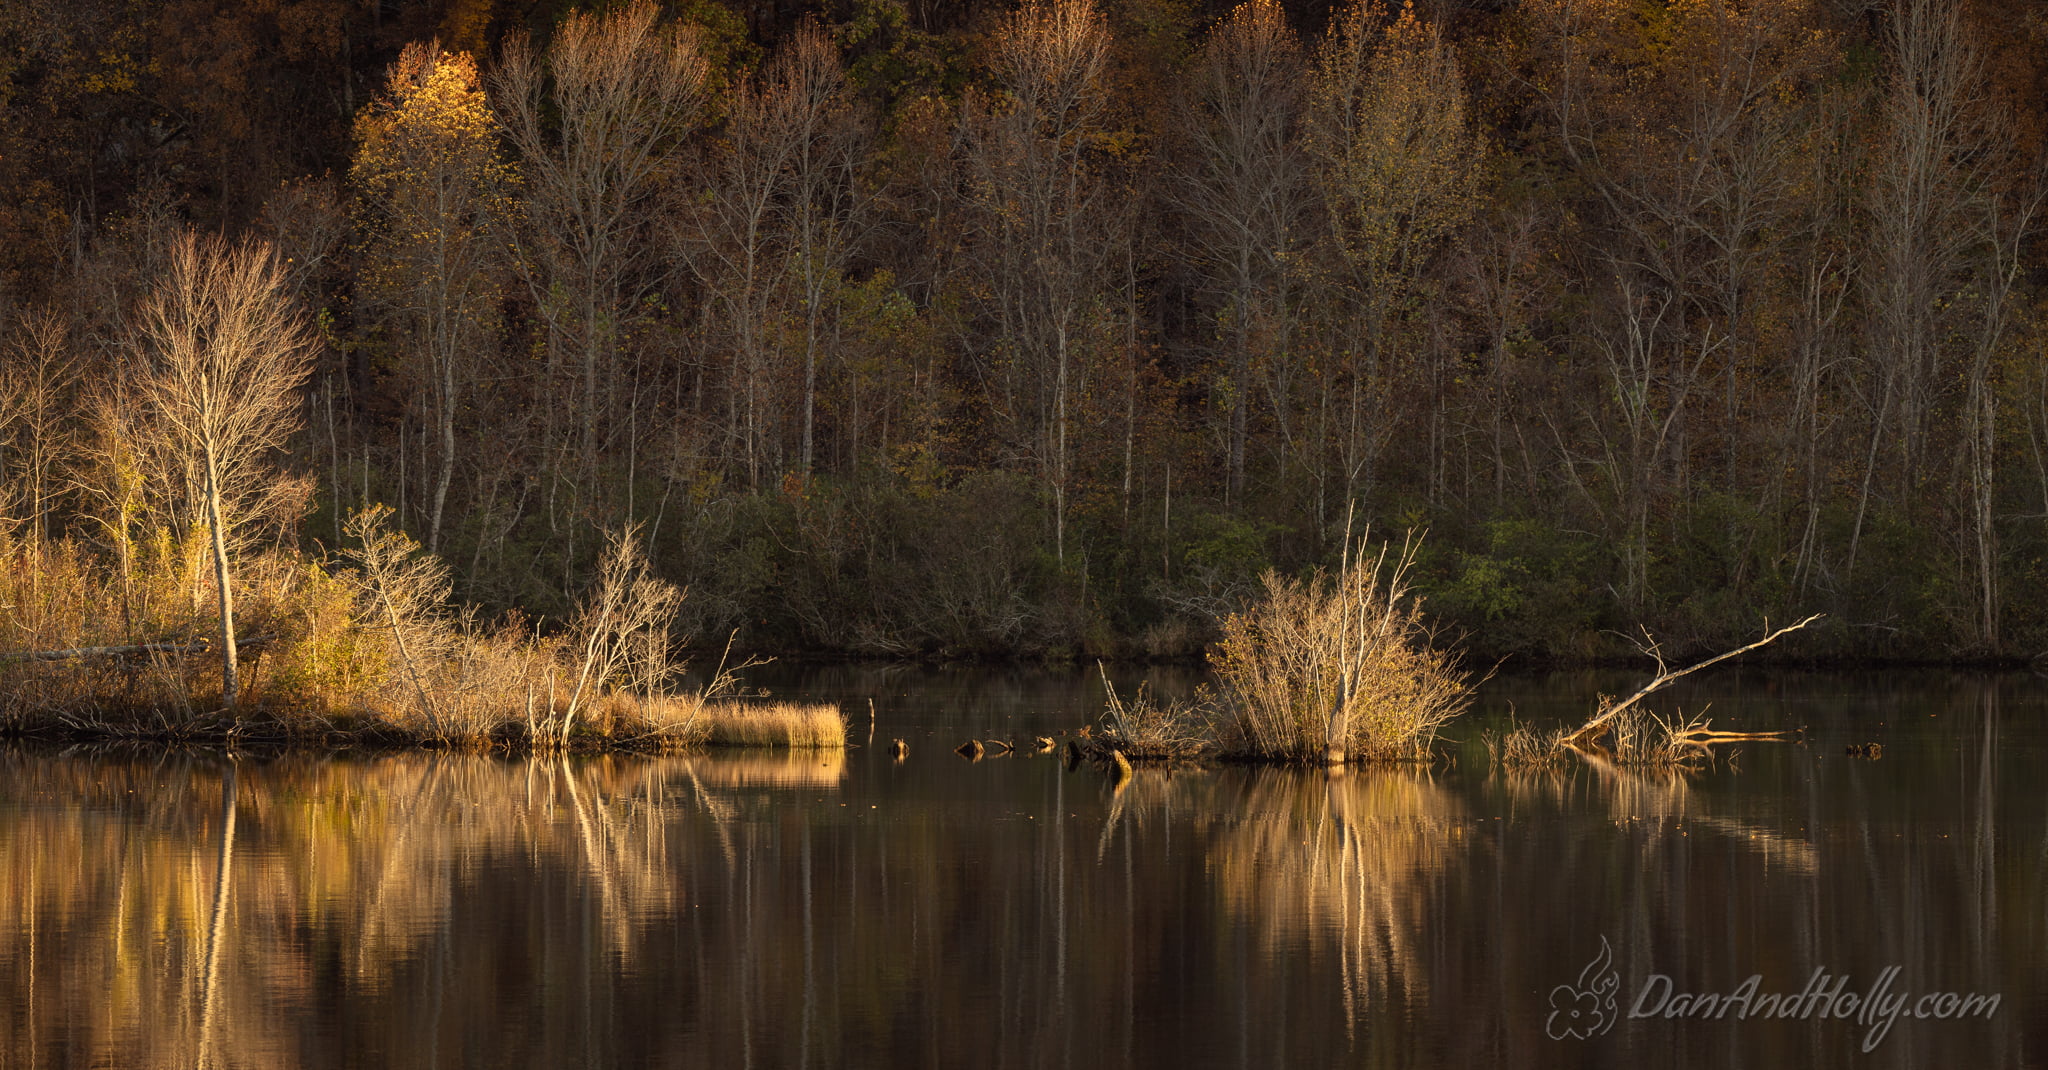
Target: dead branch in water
1597, 727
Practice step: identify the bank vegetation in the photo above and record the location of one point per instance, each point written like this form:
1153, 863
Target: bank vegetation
1045, 328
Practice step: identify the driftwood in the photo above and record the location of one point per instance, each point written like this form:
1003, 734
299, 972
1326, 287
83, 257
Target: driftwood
136, 650
1598, 726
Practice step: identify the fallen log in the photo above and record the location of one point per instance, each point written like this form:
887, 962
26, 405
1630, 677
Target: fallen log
135, 650
1597, 727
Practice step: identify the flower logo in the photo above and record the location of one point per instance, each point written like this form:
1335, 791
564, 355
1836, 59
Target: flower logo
1586, 1008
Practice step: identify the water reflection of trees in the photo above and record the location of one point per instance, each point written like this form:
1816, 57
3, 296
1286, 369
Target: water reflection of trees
191, 911
1341, 865
422, 911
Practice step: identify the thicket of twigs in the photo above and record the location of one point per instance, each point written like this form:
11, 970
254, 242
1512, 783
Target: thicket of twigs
1334, 667
1337, 665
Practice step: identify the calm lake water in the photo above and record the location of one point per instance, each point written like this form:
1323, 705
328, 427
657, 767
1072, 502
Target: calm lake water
847, 910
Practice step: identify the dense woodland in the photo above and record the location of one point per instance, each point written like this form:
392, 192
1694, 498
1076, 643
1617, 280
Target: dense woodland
908, 326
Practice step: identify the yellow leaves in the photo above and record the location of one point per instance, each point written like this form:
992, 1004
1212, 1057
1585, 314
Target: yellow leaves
116, 73
434, 123
1387, 124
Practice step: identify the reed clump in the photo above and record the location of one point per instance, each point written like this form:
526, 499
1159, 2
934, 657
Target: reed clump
1337, 667
1638, 737
1145, 728
1524, 747
1635, 737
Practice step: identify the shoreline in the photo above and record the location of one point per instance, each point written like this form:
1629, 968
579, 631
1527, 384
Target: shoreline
724, 725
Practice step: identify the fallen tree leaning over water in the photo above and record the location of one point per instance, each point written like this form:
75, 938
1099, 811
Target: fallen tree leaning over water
1611, 711
1625, 732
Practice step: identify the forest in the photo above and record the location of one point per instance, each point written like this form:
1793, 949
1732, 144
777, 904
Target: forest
968, 328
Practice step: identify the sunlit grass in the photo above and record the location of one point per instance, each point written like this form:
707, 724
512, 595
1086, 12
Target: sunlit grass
777, 724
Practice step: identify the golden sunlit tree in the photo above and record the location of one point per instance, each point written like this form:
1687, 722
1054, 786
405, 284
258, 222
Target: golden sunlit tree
37, 384
227, 354
432, 199
1399, 166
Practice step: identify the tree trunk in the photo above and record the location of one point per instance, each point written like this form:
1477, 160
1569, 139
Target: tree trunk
229, 684
446, 475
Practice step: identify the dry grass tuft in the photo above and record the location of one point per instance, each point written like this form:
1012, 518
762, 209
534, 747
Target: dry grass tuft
776, 724
1641, 738
1636, 738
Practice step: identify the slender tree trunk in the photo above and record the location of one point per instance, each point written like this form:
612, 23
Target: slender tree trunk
810, 372
1059, 490
446, 475
229, 683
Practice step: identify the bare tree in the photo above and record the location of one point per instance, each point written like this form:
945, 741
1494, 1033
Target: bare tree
1243, 186
1931, 182
772, 236
734, 239
111, 470
227, 356
622, 633
1690, 153
40, 379
827, 206
1500, 272
1050, 218
408, 589
594, 122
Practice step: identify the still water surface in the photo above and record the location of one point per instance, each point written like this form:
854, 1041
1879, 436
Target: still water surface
846, 910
